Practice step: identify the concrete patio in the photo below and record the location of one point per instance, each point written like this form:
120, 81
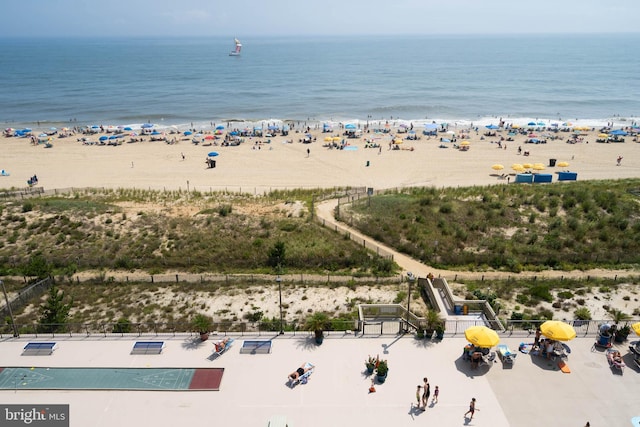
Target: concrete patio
254, 389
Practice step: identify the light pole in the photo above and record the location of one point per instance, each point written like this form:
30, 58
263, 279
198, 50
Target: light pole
410, 278
13, 322
279, 280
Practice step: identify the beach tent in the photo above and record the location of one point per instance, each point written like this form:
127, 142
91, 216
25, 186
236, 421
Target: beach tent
147, 126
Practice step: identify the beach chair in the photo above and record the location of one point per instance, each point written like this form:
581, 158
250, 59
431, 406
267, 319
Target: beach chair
506, 355
219, 349
302, 379
615, 360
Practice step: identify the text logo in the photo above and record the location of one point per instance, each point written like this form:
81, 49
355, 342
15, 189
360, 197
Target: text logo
34, 415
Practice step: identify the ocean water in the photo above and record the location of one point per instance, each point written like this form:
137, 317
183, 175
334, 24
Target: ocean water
180, 81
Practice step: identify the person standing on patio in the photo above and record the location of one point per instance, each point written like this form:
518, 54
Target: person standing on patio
472, 408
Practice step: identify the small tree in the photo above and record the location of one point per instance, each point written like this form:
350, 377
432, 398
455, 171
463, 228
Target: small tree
54, 312
276, 255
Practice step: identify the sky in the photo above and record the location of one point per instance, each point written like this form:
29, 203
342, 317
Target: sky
242, 18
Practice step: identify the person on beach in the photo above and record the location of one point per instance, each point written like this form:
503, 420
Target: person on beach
619, 160
419, 396
436, 392
183, 157
426, 392
308, 152
472, 408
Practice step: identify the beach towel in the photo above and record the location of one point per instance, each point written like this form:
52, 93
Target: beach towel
564, 367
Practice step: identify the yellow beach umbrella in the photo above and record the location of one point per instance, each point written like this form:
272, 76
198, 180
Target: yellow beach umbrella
557, 330
481, 336
328, 138
603, 135
465, 143
397, 141
636, 328
562, 164
517, 167
527, 165
497, 167
336, 139
538, 167
515, 126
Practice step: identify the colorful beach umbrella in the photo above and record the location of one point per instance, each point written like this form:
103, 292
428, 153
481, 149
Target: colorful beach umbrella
465, 143
213, 154
497, 167
517, 167
481, 336
557, 330
562, 164
527, 165
636, 328
538, 167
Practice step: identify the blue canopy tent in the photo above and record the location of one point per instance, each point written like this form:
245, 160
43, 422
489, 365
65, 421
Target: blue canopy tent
492, 127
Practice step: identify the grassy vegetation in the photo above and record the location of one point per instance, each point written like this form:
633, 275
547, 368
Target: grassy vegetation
157, 231
511, 227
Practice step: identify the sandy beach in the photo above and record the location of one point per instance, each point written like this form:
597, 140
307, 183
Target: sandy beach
281, 164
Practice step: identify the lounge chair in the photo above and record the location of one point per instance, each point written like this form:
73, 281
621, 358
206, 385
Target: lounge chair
220, 347
615, 360
302, 375
506, 355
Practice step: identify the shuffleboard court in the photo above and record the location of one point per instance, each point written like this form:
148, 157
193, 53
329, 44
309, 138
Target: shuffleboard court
148, 379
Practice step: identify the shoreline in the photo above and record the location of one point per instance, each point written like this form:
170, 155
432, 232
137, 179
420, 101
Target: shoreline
160, 123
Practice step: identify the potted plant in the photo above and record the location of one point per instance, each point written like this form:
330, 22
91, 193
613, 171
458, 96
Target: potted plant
432, 319
420, 333
317, 323
440, 327
381, 371
622, 333
371, 364
202, 323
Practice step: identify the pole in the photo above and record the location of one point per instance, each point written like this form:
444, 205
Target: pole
13, 322
411, 278
279, 280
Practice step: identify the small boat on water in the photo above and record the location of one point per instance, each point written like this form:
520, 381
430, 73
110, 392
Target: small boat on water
238, 48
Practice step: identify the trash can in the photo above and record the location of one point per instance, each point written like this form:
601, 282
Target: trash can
603, 340
457, 309
552, 162
465, 309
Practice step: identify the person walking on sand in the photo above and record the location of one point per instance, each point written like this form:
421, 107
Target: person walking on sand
472, 408
619, 160
426, 392
308, 152
419, 396
436, 392
183, 157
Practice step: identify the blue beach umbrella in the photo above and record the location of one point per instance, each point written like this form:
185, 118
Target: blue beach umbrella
220, 127
212, 154
147, 126
187, 133
619, 132
155, 132
492, 127
430, 126
128, 129
531, 124
234, 133
112, 137
350, 126
103, 138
